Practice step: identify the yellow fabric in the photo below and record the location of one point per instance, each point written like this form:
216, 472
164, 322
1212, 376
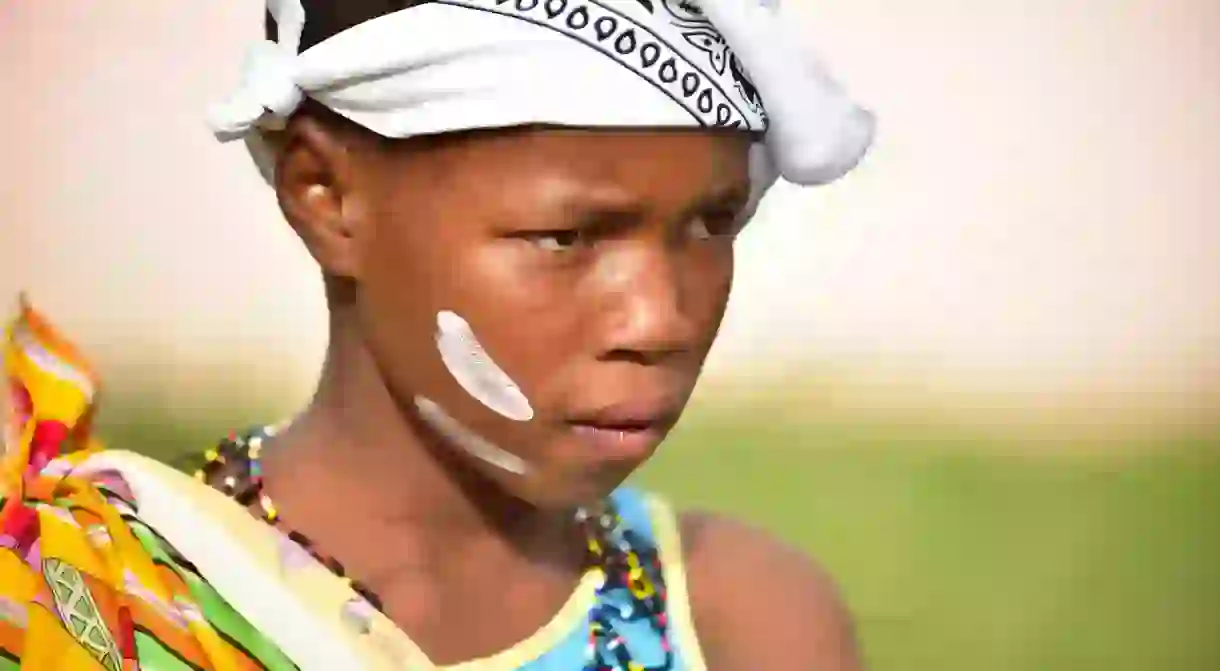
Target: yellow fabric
386, 646
254, 544
50, 381
669, 541
66, 555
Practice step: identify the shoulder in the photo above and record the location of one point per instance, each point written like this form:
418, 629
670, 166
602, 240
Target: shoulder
759, 603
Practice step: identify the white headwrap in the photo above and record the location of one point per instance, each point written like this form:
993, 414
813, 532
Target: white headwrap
451, 65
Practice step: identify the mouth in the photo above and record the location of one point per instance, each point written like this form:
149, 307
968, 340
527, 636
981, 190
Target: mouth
627, 431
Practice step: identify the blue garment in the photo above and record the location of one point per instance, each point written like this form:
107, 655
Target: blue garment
645, 645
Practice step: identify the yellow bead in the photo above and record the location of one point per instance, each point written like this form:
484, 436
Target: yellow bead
269, 507
642, 590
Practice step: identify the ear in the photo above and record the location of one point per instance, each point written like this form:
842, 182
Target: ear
317, 185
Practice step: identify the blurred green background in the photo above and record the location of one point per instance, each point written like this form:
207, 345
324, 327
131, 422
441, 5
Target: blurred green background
956, 550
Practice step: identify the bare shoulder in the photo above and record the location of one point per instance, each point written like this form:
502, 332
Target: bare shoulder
761, 604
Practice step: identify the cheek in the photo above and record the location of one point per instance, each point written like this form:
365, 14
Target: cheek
473, 312
529, 319
718, 284
466, 438
474, 370
399, 292
707, 278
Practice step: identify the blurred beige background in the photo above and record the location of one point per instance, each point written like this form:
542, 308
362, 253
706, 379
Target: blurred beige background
1035, 235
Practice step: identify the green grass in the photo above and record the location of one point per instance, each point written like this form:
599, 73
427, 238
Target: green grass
965, 560
957, 559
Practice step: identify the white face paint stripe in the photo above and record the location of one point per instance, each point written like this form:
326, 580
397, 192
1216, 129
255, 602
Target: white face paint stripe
474, 370
465, 438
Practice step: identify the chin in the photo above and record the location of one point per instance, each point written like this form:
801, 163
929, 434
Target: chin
568, 489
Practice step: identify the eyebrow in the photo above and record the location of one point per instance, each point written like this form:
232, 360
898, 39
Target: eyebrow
604, 202
615, 203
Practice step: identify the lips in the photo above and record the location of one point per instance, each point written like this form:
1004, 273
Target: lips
626, 430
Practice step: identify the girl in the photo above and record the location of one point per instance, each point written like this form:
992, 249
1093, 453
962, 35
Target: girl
524, 214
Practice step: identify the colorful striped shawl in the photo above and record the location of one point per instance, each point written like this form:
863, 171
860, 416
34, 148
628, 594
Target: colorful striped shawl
85, 582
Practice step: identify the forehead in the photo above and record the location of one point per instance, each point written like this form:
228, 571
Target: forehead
656, 165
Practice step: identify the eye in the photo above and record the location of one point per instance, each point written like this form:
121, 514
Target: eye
714, 224
699, 229
555, 241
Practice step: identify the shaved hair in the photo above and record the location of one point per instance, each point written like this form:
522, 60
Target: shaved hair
327, 18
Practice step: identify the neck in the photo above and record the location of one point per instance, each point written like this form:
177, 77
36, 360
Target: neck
356, 444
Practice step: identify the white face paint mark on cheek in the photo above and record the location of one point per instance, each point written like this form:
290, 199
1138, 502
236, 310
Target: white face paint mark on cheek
474, 370
474, 444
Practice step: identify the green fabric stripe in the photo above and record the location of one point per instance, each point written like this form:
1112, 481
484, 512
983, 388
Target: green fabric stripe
161, 551
9, 661
227, 622
155, 656
233, 627
109, 493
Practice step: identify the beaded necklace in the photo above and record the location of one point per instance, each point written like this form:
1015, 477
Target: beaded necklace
615, 551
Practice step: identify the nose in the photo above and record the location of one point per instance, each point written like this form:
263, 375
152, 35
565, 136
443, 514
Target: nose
648, 314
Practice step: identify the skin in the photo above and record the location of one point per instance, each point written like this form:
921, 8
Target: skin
595, 268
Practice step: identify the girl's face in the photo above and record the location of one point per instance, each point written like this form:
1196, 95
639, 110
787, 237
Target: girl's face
544, 299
